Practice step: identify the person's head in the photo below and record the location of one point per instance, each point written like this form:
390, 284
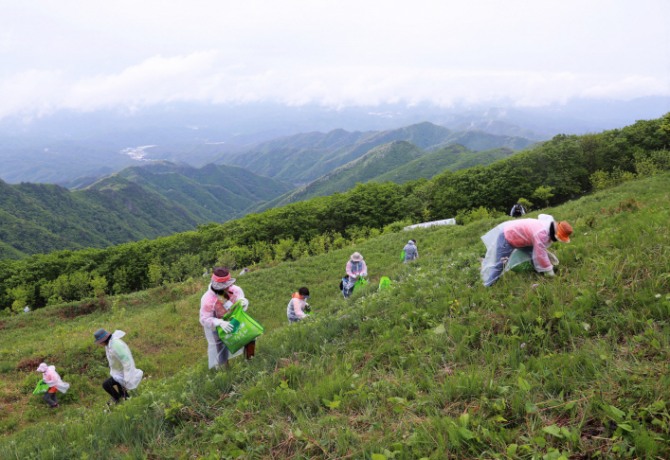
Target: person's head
412, 241
304, 292
42, 368
101, 337
356, 257
563, 231
221, 280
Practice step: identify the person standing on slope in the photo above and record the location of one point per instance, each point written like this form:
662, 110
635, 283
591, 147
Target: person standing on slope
221, 295
410, 251
536, 233
124, 375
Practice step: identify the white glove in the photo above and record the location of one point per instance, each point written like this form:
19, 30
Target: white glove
244, 302
225, 325
550, 273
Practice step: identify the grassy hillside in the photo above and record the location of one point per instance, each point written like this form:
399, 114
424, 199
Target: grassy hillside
438, 366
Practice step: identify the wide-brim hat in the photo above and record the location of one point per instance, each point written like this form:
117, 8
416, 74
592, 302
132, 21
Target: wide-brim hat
224, 285
101, 335
563, 231
356, 257
221, 279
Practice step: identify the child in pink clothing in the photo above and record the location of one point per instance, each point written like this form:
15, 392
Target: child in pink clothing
56, 384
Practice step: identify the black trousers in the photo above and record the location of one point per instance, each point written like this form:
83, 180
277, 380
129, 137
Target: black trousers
50, 399
115, 389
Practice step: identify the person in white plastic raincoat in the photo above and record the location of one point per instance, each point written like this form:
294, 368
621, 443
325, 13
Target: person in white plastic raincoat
51, 378
221, 295
124, 375
536, 233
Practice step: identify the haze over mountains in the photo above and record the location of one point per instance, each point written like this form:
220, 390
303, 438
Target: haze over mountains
71, 148
129, 177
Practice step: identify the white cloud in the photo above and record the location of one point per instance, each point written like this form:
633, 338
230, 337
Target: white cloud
92, 55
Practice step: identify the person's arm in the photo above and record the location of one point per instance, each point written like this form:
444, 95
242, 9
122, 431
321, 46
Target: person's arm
540, 254
364, 269
208, 317
298, 306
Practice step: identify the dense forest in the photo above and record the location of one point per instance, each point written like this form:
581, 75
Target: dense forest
561, 169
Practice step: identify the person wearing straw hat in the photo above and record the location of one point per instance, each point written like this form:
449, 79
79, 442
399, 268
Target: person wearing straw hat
55, 383
356, 267
124, 375
221, 295
537, 233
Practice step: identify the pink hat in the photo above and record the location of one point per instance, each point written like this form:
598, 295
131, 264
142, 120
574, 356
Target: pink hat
43, 367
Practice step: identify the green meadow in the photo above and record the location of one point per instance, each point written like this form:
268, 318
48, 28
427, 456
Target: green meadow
437, 366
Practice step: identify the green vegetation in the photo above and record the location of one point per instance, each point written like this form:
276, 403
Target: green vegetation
306, 157
562, 169
437, 366
147, 202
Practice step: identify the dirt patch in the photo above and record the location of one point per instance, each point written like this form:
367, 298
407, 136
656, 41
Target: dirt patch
29, 364
83, 308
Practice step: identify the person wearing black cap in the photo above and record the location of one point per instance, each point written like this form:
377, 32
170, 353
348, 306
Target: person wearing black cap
124, 375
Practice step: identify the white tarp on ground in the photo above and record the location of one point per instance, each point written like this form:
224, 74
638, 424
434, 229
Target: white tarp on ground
451, 221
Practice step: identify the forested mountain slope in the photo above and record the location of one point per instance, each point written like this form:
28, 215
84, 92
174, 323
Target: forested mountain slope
398, 162
137, 203
562, 169
303, 158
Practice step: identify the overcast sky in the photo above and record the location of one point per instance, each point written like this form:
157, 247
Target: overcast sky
90, 54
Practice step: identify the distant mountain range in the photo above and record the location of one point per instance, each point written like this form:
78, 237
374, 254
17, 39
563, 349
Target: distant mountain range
72, 148
161, 198
303, 158
397, 161
164, 197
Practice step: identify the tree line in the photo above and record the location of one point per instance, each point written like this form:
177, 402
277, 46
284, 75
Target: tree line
564, 168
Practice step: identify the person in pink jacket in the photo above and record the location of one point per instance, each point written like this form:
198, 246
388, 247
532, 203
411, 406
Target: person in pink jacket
221, 295
51, 378
522, 233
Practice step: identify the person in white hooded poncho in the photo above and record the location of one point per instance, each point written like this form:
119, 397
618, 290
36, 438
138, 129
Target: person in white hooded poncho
55, 383
124, 375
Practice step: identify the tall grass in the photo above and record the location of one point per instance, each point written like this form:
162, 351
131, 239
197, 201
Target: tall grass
436, 367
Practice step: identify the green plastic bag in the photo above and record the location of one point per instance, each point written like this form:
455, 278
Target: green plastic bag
402, 256
360, 282
245, 328
384, 283
521, 260
41, 387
